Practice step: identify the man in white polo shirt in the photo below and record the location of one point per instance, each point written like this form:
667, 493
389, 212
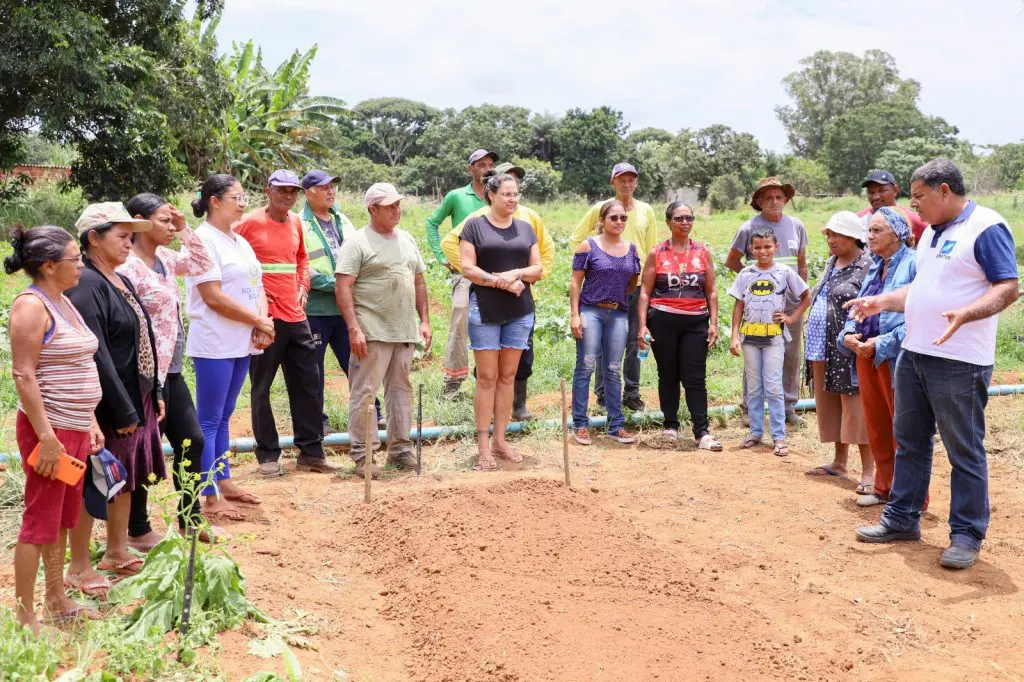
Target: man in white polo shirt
966, 275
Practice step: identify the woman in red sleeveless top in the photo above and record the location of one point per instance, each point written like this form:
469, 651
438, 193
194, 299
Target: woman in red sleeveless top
58, 388
678, 313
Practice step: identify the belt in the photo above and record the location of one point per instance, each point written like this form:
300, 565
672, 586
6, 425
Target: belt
609, 306
761, 329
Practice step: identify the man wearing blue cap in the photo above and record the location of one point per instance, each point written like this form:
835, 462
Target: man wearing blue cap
645, 231
275, 234
325, 229
457, 205
882, 191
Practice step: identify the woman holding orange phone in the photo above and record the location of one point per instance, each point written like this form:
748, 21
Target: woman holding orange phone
58, 389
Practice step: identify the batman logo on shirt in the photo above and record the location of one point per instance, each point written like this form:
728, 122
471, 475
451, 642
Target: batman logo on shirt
762, 287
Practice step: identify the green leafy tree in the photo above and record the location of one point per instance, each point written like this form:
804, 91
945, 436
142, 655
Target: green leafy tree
392, 127
590, 143
829, 85
725, 192
639, 137
854, 140
809, 177
652, 160
1009, 160
543, 129
505, 130
698, 157
541, 182
903, 157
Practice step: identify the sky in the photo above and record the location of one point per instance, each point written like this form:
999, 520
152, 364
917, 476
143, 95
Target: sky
670, 64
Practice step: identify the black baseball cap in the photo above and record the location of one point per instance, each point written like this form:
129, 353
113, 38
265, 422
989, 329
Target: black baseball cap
881, 177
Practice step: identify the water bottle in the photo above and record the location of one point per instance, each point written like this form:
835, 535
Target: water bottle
642, 353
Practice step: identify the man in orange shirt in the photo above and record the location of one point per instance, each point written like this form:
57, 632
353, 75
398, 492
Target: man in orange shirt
275, 234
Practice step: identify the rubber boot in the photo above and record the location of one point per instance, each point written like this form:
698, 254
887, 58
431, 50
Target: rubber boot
519, 411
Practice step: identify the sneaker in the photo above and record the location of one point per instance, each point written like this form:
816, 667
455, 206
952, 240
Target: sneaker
709, 442
622, 436
869, 500
635, 403
405, 460
360, 468
269, 469
582, 436
318, 465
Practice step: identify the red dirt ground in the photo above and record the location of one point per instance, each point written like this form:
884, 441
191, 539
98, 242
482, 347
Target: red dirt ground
656, 565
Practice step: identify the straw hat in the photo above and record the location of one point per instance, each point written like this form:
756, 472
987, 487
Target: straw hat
768, 183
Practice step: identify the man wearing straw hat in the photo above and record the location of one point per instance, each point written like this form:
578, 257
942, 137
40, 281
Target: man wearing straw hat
770, 198
380, 291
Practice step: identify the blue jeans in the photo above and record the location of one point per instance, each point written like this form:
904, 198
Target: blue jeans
953, 395
762, 368
605, 333
218, 382
631, 361
515, 334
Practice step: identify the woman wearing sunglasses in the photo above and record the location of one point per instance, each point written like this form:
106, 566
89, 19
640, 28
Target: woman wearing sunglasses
605, 269
678, 313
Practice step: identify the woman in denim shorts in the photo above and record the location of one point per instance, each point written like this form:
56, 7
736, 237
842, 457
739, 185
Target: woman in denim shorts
604, 272
500, 257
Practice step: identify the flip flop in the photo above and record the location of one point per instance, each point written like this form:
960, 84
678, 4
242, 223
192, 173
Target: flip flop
97, 589
244, 498
781, 450
225, 514
824, 470
489, 465
123, 568
143, 547
751, 442
864, 489
72, 615
513, 457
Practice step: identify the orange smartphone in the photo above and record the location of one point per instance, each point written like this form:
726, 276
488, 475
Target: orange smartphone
70, 470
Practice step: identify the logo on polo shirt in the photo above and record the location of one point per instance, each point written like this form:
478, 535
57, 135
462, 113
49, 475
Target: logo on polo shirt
947, 250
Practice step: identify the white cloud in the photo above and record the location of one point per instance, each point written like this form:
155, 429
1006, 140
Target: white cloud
665, 63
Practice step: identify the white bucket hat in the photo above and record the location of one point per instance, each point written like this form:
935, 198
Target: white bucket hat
847, 223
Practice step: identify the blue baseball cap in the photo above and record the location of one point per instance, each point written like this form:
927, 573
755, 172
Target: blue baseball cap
318, 178
481, 153
104, 480
881, 177
620, 168
283, 178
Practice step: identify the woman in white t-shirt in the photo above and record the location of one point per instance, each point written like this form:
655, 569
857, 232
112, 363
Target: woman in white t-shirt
227, 321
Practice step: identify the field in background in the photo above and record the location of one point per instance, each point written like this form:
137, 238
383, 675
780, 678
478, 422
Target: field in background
555, 351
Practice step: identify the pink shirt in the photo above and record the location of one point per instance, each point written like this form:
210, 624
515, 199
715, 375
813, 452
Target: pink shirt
160, 295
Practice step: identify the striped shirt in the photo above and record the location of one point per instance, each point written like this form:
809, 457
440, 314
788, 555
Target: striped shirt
68, 381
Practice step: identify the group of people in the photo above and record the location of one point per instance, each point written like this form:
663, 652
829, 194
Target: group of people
98, 341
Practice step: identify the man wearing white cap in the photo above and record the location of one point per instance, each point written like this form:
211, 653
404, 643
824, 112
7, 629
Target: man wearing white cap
645, 230
457, 205
380, 291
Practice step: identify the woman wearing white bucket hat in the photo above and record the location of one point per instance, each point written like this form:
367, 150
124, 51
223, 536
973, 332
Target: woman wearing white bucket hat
830, 373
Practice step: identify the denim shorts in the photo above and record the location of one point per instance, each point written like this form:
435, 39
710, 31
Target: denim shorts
514, 334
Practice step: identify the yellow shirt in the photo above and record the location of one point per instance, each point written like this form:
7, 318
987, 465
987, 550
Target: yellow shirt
642, 228
450, 244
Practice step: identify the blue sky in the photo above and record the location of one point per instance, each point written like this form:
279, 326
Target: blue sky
665, 63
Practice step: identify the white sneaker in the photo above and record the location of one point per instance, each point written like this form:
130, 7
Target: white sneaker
708, 442
869, 500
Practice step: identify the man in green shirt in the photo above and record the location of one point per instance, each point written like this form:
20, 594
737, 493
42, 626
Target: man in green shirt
456, 206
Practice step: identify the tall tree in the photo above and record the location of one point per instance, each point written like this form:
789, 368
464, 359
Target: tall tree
832, 83
854, 140
393, 126
505, 130
544, 126
591, 142
698, 157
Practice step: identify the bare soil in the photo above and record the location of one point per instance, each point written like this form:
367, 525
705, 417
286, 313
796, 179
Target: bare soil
655, 565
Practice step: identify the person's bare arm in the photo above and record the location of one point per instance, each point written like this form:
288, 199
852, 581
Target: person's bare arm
734, 260
575, 286
737, 317
994, 301
474, 273
423, 308
867, 306
222, 304
29, 323
801, 264
347, 305
647, 277
797, 312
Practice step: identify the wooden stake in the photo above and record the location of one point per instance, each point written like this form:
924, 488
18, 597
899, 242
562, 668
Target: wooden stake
419, 431
371, 430
565, 438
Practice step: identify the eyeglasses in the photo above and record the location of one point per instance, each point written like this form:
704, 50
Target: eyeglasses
74, 259
683, 218
239, 199
509, 195
617, 218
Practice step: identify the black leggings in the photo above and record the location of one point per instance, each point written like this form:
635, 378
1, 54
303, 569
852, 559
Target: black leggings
180, 424
681, 350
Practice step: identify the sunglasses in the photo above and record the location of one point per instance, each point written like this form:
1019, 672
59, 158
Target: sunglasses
617, 218
683, 218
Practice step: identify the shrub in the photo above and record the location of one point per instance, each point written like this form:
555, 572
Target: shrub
45, 204
358, 173
725, 192
541, 182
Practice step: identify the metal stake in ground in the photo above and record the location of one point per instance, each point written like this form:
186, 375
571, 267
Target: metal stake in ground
419, 431
186, 608
565, 438
371, 429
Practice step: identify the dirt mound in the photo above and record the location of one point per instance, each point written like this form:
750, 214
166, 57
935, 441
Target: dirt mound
528, 580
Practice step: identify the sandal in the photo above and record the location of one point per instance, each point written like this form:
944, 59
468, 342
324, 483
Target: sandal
72, 615
709, 442
865, 489
485, 464
124, 568
751, 442
781, 449
244, 498
96, 589
509, 456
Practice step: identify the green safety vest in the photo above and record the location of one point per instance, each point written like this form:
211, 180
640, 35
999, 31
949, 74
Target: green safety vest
321, 300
